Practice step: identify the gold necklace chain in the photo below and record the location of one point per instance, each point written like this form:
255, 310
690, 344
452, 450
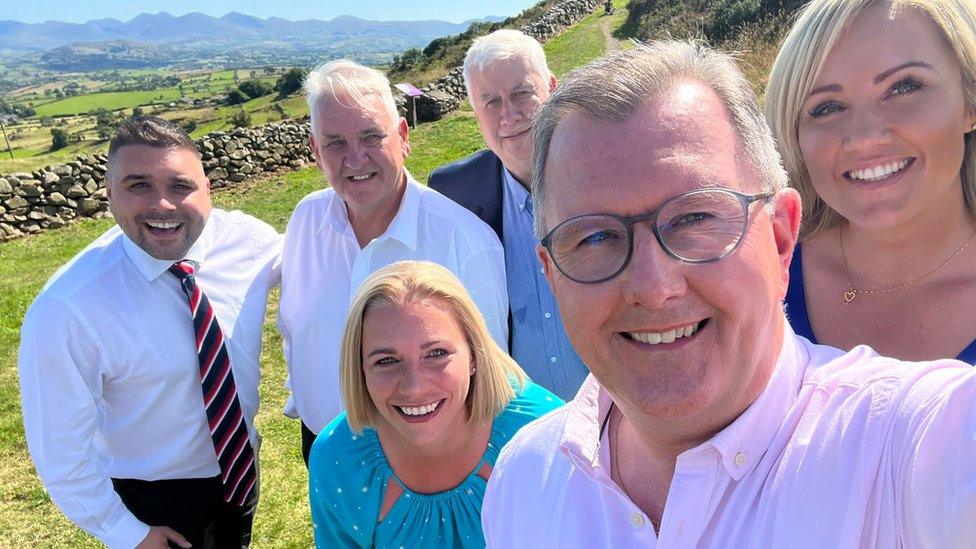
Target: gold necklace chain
853, 292
616, 467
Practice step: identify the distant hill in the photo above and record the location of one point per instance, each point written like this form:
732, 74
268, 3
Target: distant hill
196, 40
162, 28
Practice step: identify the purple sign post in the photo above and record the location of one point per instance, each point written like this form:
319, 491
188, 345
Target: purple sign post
413, 93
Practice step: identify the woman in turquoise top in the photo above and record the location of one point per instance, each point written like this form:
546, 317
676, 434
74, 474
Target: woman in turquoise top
430, 400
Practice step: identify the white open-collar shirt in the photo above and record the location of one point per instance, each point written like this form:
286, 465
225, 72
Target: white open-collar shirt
323, 267
109, 372
841, 450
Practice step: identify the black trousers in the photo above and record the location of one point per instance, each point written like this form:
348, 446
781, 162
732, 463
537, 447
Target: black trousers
193, 507
308, 437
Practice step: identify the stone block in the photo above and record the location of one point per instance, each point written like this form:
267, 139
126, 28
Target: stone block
218, 173
76, 191
56, 199
29, 188
10, 231
87, 206
15, 203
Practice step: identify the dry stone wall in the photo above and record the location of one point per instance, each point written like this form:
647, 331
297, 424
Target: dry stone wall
56, 195
444, 95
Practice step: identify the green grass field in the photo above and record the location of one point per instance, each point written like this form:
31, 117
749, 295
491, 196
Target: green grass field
28, 518
109, 100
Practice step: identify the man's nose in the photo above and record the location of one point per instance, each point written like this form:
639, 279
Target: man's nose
652, 277
164, 202
511, 113
356, 157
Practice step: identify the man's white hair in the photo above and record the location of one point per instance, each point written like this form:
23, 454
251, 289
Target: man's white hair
343, 81
499, 45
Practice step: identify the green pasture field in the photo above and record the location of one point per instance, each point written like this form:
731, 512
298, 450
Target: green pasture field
28, 518
108, 100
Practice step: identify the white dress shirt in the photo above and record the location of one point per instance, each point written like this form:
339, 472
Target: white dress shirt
841, 450
109, 373
323, 267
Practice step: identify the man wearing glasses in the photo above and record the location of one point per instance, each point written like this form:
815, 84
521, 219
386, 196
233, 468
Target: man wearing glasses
667, 231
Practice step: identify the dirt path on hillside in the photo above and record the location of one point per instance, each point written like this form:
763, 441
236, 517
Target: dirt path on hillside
612, 43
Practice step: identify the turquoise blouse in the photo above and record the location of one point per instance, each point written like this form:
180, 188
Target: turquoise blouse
348, 475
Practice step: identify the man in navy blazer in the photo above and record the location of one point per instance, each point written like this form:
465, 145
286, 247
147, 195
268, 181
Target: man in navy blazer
507, 80
474, 182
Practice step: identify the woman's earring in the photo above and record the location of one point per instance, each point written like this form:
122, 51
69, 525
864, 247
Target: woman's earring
472, 370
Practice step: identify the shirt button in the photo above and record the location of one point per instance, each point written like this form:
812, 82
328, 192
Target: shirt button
547, 315
740, 459
637, 520
552, 359
542, 270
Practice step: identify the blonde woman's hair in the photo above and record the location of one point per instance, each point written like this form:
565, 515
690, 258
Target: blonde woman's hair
801, 58
421, 281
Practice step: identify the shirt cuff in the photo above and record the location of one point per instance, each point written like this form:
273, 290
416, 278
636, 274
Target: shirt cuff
127, 533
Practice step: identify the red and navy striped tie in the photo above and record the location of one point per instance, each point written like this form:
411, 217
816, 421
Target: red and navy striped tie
228, 429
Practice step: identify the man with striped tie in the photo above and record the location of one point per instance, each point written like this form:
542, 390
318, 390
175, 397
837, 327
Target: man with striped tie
139, 360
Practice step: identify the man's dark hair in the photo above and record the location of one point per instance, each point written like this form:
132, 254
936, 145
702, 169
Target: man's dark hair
151, 131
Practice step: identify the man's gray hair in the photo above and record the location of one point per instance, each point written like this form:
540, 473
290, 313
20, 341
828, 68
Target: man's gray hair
344, 80
614, 87
499, 45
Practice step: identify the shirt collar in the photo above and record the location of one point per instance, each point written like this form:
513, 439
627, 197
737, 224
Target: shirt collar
749, 435
520, 195
151, 268
404, 227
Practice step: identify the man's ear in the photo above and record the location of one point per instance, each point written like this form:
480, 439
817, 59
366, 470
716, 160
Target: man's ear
547, 267
313, 144
552, 83
403, 130
785, 217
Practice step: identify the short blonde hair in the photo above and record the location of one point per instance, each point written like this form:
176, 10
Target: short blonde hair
422, 281
801, 58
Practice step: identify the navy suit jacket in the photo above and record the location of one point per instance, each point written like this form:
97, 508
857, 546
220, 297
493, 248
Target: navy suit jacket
476, 183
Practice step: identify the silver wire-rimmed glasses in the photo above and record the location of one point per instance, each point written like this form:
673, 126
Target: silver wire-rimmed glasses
698, 226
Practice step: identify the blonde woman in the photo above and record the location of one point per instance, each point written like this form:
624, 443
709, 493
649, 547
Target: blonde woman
430, 400
874, 107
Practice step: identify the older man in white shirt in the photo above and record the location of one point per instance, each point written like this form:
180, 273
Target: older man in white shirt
374, 214
706, 422
139, 360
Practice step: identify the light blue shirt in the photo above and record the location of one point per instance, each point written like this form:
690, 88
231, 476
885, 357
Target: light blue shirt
539, 342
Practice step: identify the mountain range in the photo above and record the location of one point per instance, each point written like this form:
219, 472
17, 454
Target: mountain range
233, 27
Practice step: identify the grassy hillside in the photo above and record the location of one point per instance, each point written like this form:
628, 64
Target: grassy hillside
753, 28
28, 518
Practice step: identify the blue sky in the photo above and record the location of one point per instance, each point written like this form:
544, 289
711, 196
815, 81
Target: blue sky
79, 11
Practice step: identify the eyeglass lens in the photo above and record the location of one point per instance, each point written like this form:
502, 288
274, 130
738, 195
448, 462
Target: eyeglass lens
696, 227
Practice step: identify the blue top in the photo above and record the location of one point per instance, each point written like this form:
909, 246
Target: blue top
539, 341
796, 308
348, 476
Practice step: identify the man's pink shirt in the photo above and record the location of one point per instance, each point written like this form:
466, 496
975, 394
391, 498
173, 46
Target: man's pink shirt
841, 450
